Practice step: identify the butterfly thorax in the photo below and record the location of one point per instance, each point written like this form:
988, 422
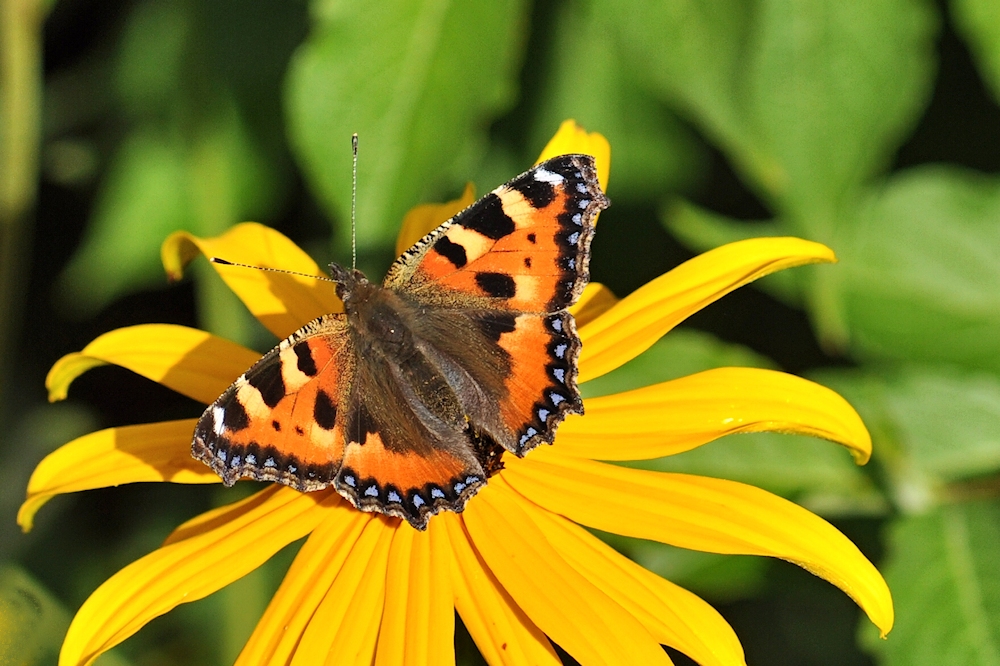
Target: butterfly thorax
414, 387
375, 313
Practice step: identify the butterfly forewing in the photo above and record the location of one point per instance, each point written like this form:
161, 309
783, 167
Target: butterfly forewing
277, 422
524, 247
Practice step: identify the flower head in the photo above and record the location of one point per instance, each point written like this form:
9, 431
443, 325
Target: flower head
517, 563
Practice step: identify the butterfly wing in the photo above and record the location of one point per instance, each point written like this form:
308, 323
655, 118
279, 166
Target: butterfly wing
314, 412
513, 262
493, 361
404, 456
281, 420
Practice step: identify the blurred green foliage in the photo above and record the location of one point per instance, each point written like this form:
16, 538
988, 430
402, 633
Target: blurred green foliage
728, 119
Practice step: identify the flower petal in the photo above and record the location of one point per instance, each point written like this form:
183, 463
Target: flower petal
595, 300
208, 521
571, 138
190, 569
700, 513
674, 616
501, 630
316, 566
111, 457
344, 629
192, 362
684, 413
282, 302
425, 218
418, 621
640, 319
568, 607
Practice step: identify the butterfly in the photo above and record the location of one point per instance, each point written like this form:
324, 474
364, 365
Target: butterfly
407, 400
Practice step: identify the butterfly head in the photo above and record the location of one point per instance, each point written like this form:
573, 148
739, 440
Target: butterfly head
350, 282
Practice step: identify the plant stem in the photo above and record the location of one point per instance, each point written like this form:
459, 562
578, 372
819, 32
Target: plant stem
20, 130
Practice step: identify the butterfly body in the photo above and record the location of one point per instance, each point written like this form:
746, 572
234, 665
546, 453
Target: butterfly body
407, 400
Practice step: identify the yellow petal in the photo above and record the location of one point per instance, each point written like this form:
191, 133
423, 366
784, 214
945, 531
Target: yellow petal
640, 319
502, 631
679, 415
192, 362
595, 300
674, 616
569, 608
423, 219
282, 302
316, 566
571, 138
111, 457
344, 629
190, 569
700, 513
210, 520
418, 621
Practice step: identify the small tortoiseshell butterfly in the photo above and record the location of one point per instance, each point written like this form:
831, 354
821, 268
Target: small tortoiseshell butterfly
406, 402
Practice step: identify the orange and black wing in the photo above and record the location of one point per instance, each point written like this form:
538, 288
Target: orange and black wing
281, 420
513, 262
313, 413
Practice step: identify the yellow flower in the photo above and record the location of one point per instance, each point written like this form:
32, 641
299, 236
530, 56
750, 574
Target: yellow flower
517, 565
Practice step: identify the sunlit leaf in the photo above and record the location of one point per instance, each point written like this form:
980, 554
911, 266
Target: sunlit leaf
940, 425
653, 152
978, 21
945, 576
920, 269
418, 81
807, 98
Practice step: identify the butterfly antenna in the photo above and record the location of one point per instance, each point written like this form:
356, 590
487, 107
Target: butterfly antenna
217, 260
354, 201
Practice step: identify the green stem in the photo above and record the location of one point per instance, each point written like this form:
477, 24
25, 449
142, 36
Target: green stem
20, 130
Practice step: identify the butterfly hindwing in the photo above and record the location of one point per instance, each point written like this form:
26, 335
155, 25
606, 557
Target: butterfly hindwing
408, 451
541, 386
408, 484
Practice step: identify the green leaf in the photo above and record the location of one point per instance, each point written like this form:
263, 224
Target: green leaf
808, 98
652, 153
945, 577
149, 68
920, 269
418, 81
930, 426
159, 182
689, 51
32, 621
978, 22
833, 87
142, 198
